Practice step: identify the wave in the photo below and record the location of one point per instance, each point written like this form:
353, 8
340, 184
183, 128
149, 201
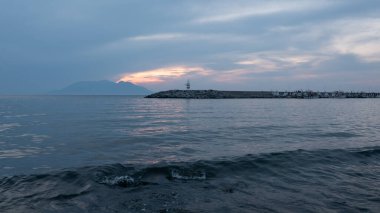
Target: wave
286, 173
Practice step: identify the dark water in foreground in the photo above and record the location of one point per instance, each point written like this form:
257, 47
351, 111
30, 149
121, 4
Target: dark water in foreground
129, 154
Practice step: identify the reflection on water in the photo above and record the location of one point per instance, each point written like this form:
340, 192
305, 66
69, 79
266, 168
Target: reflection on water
64, 131
35, 137
19, 153
5, 127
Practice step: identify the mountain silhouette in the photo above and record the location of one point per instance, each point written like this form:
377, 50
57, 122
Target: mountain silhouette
102, 88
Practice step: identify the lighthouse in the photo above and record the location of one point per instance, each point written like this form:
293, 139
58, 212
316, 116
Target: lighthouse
188, 85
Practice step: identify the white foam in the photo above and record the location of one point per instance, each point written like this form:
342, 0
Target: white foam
119, 180
176, 175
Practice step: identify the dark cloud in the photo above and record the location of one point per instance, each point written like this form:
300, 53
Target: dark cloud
46, 45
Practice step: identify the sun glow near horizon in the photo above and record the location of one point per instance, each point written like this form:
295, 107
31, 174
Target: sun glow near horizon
162, 74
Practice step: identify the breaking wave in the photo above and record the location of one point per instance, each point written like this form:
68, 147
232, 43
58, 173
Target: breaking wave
297, 180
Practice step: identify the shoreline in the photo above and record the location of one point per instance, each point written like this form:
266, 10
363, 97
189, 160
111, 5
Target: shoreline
218, 94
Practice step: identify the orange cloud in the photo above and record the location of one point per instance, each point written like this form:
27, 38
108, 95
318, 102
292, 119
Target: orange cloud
163, 74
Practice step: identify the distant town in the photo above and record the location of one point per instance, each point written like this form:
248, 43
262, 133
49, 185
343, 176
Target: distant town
335, 94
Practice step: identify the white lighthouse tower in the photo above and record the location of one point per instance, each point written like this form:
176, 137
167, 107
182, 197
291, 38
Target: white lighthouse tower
188, 85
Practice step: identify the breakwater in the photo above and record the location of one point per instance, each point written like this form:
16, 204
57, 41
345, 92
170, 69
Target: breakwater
217, 94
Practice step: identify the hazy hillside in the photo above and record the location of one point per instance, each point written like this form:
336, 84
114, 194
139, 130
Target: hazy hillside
102, 88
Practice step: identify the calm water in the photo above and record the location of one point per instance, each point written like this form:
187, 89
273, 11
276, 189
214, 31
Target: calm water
130, 154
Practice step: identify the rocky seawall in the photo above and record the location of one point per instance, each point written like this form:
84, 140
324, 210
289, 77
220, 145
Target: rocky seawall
210, 94
216, 94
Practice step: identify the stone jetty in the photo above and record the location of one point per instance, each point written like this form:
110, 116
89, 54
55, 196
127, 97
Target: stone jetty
217, 94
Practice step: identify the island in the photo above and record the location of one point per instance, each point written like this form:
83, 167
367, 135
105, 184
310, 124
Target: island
218, 94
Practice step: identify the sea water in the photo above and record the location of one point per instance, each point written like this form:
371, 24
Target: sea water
130, 154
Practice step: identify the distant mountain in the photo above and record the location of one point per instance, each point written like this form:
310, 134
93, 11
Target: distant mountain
102, 88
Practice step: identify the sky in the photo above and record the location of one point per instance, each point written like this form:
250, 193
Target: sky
216, 44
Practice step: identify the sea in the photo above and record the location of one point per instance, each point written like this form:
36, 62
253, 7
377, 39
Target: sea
132, 154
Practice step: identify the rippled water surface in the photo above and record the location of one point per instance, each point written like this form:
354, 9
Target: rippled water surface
115, 154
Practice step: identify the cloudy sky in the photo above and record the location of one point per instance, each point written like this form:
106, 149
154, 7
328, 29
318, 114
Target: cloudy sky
235, 45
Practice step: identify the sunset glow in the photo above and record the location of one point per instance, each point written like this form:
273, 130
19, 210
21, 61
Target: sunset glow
162, 74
